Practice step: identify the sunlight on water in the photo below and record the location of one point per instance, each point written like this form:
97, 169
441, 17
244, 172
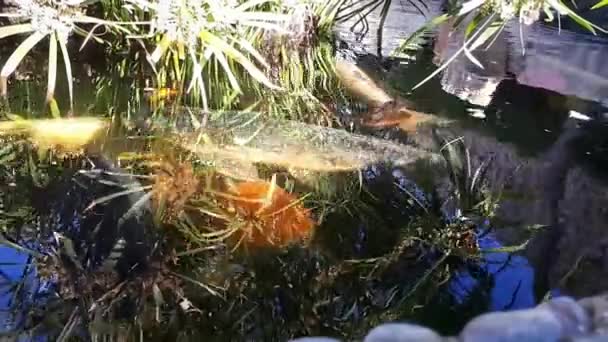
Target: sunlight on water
70, 134
246, 138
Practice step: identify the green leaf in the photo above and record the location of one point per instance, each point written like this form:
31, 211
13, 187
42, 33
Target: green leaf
561, 8
54, 108
472, 25
507, 249
14, 117
52, 75
88, 36
252, 50
6, 31
250, 4
600, 4
494, 30
161, 47
419, 33
219, 44
16, 57
470, 6
68, 70
451, 59
231, 77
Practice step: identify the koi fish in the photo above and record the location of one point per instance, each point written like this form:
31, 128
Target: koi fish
384, 110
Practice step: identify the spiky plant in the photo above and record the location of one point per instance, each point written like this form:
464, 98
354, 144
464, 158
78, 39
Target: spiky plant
190, 35
57, 20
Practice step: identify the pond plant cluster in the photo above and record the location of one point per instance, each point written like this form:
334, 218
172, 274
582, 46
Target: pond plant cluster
131, 232
155, 241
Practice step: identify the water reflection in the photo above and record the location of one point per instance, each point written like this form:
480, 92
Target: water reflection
569, 63
554, 190
513, 279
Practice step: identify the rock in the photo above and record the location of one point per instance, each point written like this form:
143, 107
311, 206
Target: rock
529, 325
572, 315
597, 309
589, 339
402, 332
314, 339
553, 321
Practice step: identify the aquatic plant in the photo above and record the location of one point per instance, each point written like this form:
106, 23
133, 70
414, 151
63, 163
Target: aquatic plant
56, 20
195, 286
192, 29
216, 54
271, 216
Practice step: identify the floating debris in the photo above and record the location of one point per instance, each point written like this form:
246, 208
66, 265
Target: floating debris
477, 113
579, 116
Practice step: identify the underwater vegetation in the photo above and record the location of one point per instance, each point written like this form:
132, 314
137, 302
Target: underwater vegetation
214, 196
166, 245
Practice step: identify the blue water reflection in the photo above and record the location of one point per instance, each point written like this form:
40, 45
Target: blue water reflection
513, 278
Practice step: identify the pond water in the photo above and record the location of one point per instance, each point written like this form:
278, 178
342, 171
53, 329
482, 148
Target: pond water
550, 167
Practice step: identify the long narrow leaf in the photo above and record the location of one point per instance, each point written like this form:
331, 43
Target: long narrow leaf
198, 77
228, 70
258, 16
250, 4
472, 58
560, 7
15, 29
252, 50
231, 52
68, 70
464, 46
419, 33
162, 46
88, 36
16, 57
52, 75
600, 4
469, 6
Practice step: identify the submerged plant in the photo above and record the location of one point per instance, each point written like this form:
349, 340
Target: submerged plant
271, 216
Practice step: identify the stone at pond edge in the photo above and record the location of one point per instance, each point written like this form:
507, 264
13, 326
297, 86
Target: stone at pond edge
597, 309
557, 319
314, 339
402, 332
573, 317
